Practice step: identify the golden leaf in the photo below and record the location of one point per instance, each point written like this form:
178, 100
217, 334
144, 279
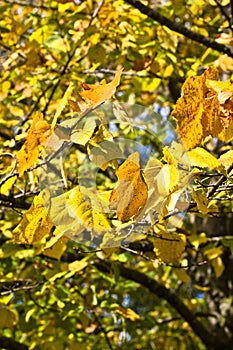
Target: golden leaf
224, 92
226, 159
202, 201
213, 253
131, 194
35, 224
94, 95
82, 209
37, 136
169, 247
82, 136
56, 249
197, 111
77, 265
218, 266
182, 275
201, 158
6, 187
127, 313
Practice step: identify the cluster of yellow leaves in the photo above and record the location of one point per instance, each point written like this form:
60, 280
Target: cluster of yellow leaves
158, 187
204, 109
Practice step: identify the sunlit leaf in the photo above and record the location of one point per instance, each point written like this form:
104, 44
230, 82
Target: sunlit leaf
94, 95
35, 224
169, 247
127, 313
37, 136
199, 157
218, 266
197, 111
130, 196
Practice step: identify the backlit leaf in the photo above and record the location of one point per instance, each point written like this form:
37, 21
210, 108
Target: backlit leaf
197, 111
35, 223
37, 136
94, 95
82, 209
5, 188
202, 201
127, 313
169, 247
213, 253
130, 196
62, 104
218, 266
201, 158
226, 159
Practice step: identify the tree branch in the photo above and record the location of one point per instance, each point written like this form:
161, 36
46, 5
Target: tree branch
211, 342
178, 28
15, 286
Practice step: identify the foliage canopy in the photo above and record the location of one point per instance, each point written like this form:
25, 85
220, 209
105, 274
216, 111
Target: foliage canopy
116, 137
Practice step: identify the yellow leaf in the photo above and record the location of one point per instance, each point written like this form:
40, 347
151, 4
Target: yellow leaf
168, 156
167, 179
182, 275
8, 317
203, 289
202, 201
169, 247
227, 134
94, 95
226, 159
5, 188
127, 313
37, 136
35, 223
224, 90
82, 136
197, 111
82, 209
77, 265
201, 158
213, 253
56, 246
197, 239
130, 196
218, 266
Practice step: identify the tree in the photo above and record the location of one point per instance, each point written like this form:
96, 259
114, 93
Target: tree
116, 217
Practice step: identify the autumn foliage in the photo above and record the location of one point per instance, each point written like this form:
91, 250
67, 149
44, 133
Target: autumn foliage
116, 132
